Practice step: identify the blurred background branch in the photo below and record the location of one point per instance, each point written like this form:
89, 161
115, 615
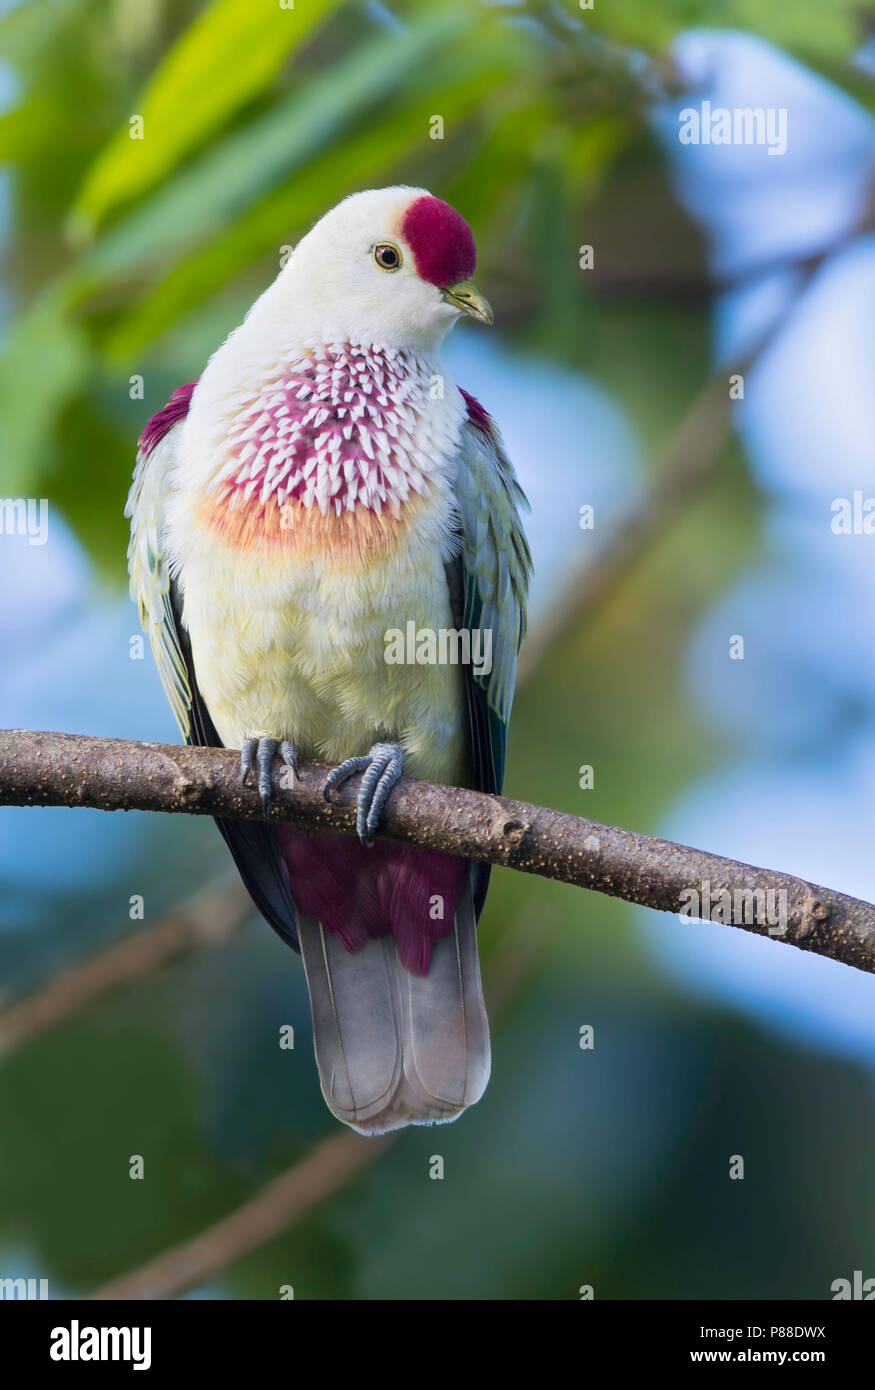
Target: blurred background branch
275, 1208
207, 921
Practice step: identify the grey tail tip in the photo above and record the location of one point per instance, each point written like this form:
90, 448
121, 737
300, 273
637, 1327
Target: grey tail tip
395, 1049
393, 1124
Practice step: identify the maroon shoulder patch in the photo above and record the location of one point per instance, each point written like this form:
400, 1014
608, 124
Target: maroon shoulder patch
441, 241
163, 421
478, 415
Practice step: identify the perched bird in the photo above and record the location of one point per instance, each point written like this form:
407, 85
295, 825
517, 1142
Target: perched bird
321, 486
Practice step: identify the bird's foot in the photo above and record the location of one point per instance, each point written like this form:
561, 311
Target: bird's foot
382, 766
258, 753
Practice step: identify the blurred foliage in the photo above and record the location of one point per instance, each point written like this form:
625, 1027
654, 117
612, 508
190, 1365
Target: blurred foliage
135, 257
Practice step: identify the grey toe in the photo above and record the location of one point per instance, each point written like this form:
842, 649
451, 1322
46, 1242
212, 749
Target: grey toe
382, 768
257, 755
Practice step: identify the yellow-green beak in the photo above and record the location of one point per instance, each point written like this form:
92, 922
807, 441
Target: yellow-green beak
463, 296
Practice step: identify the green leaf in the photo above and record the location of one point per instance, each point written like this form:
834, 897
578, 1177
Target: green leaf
826, 28
44, 361
807, 25
26, 31
229, 54
232, 176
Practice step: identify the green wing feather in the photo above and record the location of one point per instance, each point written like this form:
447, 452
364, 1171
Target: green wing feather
151, 586
495, 568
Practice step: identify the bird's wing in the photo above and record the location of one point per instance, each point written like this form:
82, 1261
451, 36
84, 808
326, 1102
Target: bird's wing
489, 582
151, 586
252, 843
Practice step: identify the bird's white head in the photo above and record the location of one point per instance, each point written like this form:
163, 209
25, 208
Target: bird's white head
391, 267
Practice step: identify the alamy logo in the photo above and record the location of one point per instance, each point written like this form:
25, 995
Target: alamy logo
742, 125
743, 907
75, 1343
448, 646
25, 516
24, 1288
853, 516
856, 1288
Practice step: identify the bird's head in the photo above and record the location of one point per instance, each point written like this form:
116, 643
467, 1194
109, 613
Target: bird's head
392, 266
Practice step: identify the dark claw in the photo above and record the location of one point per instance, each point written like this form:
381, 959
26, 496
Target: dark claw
382, 769
289, 755
247, 758
390, 775
266, 749
258, 753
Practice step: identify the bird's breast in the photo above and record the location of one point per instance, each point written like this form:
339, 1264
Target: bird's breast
335, 451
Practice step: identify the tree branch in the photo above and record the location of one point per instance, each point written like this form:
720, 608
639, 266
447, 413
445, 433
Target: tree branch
275, 1207
52, 769
209, 920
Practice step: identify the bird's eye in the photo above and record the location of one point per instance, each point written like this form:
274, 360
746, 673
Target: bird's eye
387, 256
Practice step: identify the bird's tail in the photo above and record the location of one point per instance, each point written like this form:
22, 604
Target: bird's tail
394, 1048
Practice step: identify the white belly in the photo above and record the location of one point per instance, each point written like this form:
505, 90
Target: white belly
297, 651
